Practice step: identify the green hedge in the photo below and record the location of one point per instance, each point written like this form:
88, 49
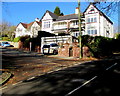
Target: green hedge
16, 39
5, 38
100, 46
26, 42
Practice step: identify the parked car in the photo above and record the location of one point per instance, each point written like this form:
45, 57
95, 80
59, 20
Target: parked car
50, 48
5, 44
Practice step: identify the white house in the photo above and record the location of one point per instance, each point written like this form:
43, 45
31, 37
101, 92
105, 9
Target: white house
97, 23
94, 22
47, 21
30, 29
67, 24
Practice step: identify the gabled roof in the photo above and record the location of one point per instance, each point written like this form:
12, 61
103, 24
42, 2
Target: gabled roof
101, 13
24, 24
27, 26
64, 17
54, 16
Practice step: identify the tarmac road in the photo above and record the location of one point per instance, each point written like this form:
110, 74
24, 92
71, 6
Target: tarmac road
97, 78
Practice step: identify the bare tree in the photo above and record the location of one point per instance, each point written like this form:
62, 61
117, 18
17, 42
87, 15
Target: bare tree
7, 29
107, 6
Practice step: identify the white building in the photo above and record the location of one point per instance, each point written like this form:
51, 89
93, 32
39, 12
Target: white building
95, 22
30, 29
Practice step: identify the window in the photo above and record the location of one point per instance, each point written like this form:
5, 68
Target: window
95, 19
89, 32
95, 31
88, 20
107, 33
92, 9
47, 24
92, 20
92, 32
75, 23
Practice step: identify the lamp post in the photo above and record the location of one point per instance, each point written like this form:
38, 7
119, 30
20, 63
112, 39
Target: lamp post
80, 33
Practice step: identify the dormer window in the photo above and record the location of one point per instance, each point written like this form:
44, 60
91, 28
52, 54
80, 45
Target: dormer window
92, 9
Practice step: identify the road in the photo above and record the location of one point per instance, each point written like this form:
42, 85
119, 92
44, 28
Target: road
96, 78
24, 65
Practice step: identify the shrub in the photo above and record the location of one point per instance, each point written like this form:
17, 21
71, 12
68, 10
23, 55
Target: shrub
23, 38
118, 36
5, 38
26, 43
99, 46
16, 39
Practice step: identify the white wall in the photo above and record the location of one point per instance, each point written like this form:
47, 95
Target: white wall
21, 31
47, 18
102, 25
34, 29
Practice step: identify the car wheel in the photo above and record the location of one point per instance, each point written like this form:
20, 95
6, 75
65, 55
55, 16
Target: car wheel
55, 52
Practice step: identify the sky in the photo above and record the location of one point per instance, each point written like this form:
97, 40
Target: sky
26, 12
16, 12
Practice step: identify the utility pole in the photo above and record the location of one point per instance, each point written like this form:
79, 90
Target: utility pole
80, 33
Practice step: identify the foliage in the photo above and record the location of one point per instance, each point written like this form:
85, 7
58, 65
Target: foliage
7, 29
16, 39
5, 38
26, 42
23, 38
58, 12
117, 36
99, 46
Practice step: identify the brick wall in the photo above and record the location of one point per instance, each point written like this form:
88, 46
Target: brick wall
65, 51
76, 50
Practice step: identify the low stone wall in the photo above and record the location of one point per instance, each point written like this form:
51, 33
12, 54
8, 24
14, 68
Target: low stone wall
65, 51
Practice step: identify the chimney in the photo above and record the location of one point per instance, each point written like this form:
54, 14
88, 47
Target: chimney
76, 10
37, 19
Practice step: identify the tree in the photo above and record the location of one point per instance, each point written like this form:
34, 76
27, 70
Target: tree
117, 36
107, 7
7, 29
58, 12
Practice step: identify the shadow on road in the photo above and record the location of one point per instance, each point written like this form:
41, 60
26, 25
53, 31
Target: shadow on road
61, 82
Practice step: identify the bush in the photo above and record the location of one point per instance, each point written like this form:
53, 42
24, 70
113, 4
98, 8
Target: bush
23, 38
99, 46
5, 38
16, 39
118, 36
26, 43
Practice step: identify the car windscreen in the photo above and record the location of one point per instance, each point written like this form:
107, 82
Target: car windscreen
46, 46
53, 45
5, 43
